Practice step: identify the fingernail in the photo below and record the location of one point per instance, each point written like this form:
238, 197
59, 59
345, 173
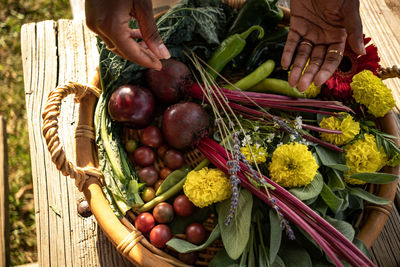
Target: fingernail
163, 50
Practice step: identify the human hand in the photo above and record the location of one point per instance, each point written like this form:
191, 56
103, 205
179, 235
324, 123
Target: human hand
318, 31
109, 19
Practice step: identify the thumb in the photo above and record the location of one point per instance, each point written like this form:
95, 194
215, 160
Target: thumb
353, 25
143, 12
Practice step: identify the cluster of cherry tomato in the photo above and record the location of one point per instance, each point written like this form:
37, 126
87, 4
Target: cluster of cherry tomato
163, 213
152, 147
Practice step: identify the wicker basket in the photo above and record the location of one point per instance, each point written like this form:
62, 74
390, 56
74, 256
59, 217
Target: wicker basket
130, 242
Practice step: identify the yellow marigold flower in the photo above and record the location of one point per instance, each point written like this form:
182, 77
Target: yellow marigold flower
394, 161
207, 186
347, 125
260, 155
293, 165
370, 91
312, 91
363, 156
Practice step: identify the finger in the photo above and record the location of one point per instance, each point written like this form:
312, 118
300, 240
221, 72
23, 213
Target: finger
302, 55
144, 45
143, 12
353, 26
136, 34
289, 49
316, 59
332, 60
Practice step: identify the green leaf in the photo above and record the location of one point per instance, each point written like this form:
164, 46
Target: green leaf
333, 201
236, 235
361, 193
275, 235
331, 159
278, 262
311, 190
361, 246
375, 177
335, 180
183, 246
222, 259
295, 256
344, 227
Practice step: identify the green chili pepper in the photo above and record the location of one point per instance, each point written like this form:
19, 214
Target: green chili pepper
230, 48
255, 77
276, 86
172, 179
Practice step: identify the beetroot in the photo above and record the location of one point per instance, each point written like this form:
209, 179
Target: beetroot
184, 123
169, 84
132, 105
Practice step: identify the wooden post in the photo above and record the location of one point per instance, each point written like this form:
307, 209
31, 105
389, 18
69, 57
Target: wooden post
4, 221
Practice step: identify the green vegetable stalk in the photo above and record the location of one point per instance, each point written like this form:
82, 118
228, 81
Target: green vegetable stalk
230, 48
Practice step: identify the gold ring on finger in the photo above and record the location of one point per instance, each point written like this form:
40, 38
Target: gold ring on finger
306, 43
335, 51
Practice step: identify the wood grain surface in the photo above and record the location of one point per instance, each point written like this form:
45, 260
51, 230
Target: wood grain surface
4, 217
56, 52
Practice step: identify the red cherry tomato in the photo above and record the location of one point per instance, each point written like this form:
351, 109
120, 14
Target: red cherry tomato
183, 206
144, 156
163, 212
152, 136
145, 222
148, 194
160, 235
195, 233
174, 159
148, 175
164, 172
161, 150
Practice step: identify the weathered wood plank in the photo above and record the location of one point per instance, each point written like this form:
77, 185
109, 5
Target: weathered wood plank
383, 25
4, 189
54, 53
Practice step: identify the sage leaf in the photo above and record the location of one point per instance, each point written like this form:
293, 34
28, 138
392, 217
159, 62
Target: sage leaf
183, 246
359, 192
311, 190
335, 180
361, 246
344, 227
375, 177
222, 259
275, 235
333, 201
278, 262
332, 159
295, 256
236, 235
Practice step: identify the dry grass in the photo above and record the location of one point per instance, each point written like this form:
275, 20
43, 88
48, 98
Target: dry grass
13, 14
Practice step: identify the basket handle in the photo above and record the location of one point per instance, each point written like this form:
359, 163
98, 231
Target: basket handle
50, 131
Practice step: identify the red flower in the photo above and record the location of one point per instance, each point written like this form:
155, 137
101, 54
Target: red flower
339, 84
